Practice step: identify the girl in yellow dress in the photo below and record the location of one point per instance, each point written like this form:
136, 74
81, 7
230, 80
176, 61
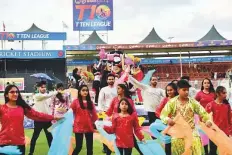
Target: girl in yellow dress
186, 107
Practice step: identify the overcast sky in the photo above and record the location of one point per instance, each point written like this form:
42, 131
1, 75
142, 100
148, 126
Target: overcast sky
186, 20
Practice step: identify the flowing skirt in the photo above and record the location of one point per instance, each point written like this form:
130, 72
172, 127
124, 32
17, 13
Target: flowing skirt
178, 146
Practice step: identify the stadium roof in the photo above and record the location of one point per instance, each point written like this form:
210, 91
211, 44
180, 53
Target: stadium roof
213, 34
35, 28
152, 37
94, 39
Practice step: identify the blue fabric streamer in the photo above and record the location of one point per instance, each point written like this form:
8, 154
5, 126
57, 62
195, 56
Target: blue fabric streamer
11, 150
62, 133
158, 127
109, 137
199, 129
151, 147
146, 79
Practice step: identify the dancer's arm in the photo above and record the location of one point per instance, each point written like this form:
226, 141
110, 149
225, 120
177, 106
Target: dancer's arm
137, 83
161, 106
41, 97
167, 110
110, 110
94, 114
199, 109
137, 128
37, 116
111, 129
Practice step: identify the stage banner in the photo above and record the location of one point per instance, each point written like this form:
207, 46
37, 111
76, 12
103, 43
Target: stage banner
32, 54
2, 88
19, 82
28, 123
80, 47
92, 15
187, 60
11, 36
80, 62
215, 43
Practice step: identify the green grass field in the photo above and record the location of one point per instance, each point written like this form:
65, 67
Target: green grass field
42, 146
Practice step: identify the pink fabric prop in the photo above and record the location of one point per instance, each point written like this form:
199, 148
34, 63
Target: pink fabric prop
110, 57
146, 130
102, 54
219, 138
204, 137
123, 78
181, 129
128, 61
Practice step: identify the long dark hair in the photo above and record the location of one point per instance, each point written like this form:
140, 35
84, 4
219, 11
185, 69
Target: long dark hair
174, 86
20, 101
129, 110
127, 93
211, 88
59, 95
89, 102
219, 90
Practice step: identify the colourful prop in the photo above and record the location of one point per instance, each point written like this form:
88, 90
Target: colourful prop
156, 128
88, 75
73, 92
102, 54
204, 137
73, 142
102, 115
27, 141
62, 133
137, 59
131, 57
123, 77
110, 57
128, 61
109, 138
219, 138
141, 120
151, 147
147, 130
146, 79
181, 129
12, 150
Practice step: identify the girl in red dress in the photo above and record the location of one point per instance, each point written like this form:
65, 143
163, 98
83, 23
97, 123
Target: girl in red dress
221, 110
12, 117
124, 125
207, 93
123, 92
171, 91
84, 117
205, 96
